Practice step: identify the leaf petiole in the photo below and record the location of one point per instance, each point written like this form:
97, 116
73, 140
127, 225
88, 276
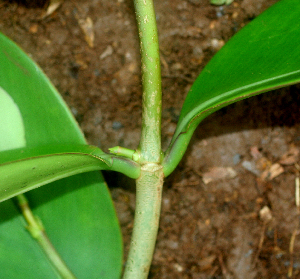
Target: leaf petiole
38, 232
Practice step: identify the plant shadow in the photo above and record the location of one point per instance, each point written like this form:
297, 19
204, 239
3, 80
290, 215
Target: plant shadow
277, 108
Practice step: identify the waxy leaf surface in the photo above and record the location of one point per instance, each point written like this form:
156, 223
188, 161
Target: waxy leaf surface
77, 211
263, 56
24, 169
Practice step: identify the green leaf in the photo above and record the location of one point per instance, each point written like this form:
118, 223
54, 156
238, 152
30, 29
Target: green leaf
263, 56
11, 123
77, 212
22, 169
81, 224
17, 246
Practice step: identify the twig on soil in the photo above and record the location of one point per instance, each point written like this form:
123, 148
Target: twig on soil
291, 251
260, 244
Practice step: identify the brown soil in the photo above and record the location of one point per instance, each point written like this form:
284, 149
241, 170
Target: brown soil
229, 209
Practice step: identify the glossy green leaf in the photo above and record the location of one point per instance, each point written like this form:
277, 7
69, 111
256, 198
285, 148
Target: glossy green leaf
22, 169
17, 246
263, 56
77, 212
11, 123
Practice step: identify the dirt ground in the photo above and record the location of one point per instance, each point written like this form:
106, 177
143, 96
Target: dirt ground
229, 209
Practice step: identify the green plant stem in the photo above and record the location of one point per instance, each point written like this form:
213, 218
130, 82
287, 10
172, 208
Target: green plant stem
147, 212
38, 233
150, 144
149, 184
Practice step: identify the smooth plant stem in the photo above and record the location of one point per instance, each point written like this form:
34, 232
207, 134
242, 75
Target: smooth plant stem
38, 233
149, 184
146, 222
150, 144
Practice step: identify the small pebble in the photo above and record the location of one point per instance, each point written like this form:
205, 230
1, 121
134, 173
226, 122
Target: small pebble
249, 253
217, 44
250, 166
178, 267
74, 111
117, 125
97, 73
107, 52
220, 11
198, 51
236, 159
265, 214
172, 244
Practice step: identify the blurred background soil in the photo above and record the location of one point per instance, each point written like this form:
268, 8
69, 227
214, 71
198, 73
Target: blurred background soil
229, 209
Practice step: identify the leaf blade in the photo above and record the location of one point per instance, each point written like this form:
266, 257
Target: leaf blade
17, 246
35, 91
263, 56
52, 163
48, 121
93, 246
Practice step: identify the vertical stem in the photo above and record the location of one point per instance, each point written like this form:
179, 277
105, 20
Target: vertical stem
150, 144
147, 212
149, 184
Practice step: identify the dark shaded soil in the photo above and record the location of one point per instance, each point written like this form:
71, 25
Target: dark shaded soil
224, 215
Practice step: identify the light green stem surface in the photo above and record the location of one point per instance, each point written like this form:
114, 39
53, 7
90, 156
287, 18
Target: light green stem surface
146, 222
37, 231
149, 184
150, 144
